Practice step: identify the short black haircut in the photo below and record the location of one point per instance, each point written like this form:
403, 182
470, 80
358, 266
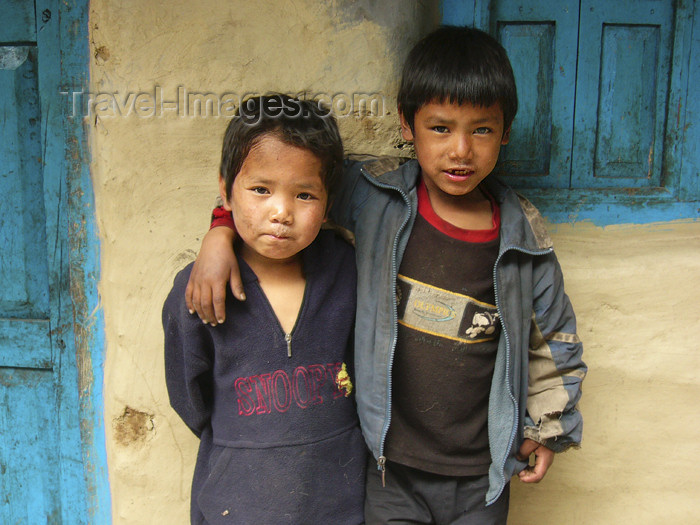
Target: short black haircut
458, 65
305, 124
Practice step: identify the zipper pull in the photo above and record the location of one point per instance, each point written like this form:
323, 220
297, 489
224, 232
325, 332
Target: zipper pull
288, 338
381, 464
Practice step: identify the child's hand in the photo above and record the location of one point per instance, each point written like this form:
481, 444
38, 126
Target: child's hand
543, 460
216, 265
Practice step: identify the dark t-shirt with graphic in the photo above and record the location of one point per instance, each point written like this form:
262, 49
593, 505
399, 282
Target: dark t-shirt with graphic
446, 348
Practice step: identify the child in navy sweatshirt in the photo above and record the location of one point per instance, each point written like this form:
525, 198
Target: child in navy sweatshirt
270, 394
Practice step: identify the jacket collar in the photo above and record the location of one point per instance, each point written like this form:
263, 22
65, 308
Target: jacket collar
398, 172
522, 226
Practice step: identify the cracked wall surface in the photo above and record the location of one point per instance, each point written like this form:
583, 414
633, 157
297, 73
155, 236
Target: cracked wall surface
154, 167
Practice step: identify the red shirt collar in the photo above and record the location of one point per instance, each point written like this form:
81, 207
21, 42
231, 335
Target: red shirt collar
426, 211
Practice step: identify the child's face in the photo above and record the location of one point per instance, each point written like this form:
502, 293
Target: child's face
278, 199
457, 145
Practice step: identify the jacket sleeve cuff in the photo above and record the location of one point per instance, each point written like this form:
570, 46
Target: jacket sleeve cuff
548, 433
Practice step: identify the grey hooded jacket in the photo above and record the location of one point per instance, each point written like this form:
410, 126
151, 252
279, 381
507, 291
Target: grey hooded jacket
538, 371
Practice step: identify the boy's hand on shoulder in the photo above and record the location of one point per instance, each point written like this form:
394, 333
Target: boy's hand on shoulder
216, 265
543, 460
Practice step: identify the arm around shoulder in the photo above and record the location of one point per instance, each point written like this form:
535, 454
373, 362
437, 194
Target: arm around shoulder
215, 267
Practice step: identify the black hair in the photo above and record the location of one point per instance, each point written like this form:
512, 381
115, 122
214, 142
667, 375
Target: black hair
302, 123
458, 65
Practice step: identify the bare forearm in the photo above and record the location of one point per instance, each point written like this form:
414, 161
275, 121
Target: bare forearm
216, 265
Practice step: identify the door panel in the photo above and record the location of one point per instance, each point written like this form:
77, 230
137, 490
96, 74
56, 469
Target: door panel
29, 483
17, 21
540, 37
22, 236
622, 86
24, 305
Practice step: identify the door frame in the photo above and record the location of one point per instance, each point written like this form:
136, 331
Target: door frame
77, 329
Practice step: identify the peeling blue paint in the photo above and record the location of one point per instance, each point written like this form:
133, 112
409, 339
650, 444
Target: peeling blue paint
85, 265
86, 495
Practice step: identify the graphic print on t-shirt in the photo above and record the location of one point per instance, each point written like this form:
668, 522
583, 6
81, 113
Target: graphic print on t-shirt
442, 313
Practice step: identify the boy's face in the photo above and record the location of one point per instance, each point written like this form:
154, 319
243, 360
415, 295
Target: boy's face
278, 200
457, 145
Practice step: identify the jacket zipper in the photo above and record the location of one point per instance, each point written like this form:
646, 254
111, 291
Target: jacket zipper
381, 464
288, 338
381, 460
514, 430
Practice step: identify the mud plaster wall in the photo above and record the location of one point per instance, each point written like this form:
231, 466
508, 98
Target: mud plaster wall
154, 174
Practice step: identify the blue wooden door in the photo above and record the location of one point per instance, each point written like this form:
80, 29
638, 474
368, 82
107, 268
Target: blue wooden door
593, 84
40, 456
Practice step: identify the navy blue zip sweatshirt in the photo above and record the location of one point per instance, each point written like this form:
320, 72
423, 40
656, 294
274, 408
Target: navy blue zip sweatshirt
280, 440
